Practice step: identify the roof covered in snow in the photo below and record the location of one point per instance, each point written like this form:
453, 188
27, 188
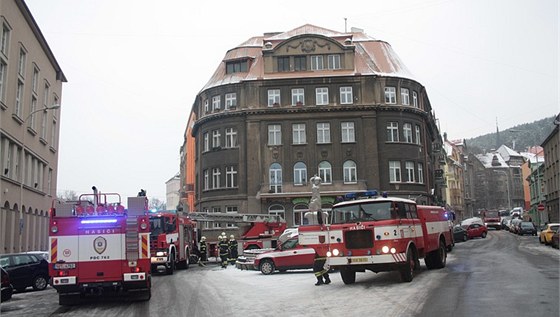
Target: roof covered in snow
492, 160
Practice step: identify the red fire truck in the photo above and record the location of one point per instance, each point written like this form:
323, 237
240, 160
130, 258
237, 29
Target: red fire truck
380, 234
491, 218
173, 240
98, 246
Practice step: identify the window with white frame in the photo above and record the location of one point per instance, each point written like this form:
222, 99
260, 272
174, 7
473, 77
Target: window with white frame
232, 209
298, 96
298, 133
405, 98
216, 177
317, 62
49, 181
35, 79
348, 134
205, 180
273, 97
216, 103
323, 132
216, 136
420, 173
394, 171
325, 172
277, 210
346, 97
274, 134
53, 134
206, 142
231, 138
392, 132
44, 117
231, 100
31, 123
415, 99
19, 99
206, 106
21, 64
275, 178
300, 173
322, 96
5, 39
390, 95
333, 61
350, 172
231, 177
407, 132
409, 172
3, 72
7, 148
418, 135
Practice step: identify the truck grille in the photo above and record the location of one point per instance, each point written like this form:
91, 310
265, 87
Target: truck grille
358, 239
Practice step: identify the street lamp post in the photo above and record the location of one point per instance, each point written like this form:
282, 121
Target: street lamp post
22, 169
507, 187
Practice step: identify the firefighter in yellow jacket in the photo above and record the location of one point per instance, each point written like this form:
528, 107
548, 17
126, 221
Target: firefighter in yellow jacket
320, 271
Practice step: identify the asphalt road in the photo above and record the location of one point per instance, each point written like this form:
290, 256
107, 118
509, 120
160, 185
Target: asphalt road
502, 275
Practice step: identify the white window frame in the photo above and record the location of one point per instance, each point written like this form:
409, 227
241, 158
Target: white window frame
274, 134
418, 134
298, 133
414, 99
273, 97
205, 142
348, 132
317, 62
216, 136
216, 103
420, 173
5, 40
333, 61
216, 173
325, 172
409, 165
298, 95
407, 132
19, 99
346, 96
405, 96
206, 179
300, 174
231, 100
321, 96
3, 72
275, 178
231, 177
390, 95
394, 172
31, 123
231, 138
392, 131
323, 133
206, 106
22, 61
350, 172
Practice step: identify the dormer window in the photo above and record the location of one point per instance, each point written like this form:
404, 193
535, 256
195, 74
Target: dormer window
239, 66
300, 63
317, 62
334, 61
283, 63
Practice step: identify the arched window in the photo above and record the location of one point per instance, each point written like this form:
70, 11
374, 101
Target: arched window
350, 173
300, 173
275, 178
277, 210
299, 213
325, 172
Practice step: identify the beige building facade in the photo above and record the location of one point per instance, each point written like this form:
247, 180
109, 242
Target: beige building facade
30, 81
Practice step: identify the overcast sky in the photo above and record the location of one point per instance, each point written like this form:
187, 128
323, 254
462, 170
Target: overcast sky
135, 67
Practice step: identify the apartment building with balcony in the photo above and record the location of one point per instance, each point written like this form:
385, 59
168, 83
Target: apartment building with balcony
30, 80
283, 107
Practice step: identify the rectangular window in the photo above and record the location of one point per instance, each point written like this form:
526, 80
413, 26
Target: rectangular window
317, 62
216, 178
21, 64
3, 72
231, 177
409, 172
392, 132
273, 97
231, 100
390, 95
300, 174
420, 173
206, 180
35, 80
298, 133
31, 123
418, 135
405, 99
334, 61
216, 103
350, 176
394, 171
236, 67
19, 99
322, 96
300, 63
323, 133
348, 134
283, 63
415, 99
346, 97
231, 138
274, 134
407, 132
206, 106
232, 209
298, 97
206, 140
216, 136
53, 134
5, 40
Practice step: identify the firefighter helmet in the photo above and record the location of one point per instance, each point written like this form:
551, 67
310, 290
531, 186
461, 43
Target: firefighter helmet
224, 234
203, 238
220, 238
232, 237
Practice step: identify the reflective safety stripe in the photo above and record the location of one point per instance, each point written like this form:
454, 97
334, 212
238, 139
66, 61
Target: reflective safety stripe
145, 251
54, 250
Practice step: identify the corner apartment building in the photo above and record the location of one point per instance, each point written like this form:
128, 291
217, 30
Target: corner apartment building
283, 107
30, 80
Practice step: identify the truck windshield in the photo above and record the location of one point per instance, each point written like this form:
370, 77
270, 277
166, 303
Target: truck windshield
364, 211
491, 214
156, 225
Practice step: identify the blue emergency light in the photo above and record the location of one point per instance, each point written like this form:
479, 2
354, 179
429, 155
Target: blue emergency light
91, 221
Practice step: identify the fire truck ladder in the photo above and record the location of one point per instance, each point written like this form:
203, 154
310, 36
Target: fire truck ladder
234, 217
131, 238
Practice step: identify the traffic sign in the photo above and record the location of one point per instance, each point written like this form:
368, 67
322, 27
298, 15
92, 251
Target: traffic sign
540, 207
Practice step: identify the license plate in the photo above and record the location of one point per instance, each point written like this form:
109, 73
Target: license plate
134, 277
64, 266
359, 260
64, 281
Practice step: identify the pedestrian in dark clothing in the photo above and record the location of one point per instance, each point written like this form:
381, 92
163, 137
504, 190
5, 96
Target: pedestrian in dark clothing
224, 250
232, 245
202, 248
320, 271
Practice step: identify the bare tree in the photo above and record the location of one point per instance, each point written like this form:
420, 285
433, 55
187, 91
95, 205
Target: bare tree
68, 195
157, 204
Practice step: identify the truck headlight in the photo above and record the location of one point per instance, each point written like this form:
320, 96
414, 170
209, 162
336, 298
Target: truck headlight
161, 253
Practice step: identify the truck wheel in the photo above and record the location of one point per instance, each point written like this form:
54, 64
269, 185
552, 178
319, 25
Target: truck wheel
267, 267
407, 272
348, 276
145, 295
68, 299
40, 283
171, 266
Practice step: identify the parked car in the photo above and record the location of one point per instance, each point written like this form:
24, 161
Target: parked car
546, 234
527, 227
26, 270
475, 230
7, 288
287, 256
555, 243
514, 225
459, 234
43, 254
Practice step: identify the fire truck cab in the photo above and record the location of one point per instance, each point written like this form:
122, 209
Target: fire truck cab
381, 234
98, 246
